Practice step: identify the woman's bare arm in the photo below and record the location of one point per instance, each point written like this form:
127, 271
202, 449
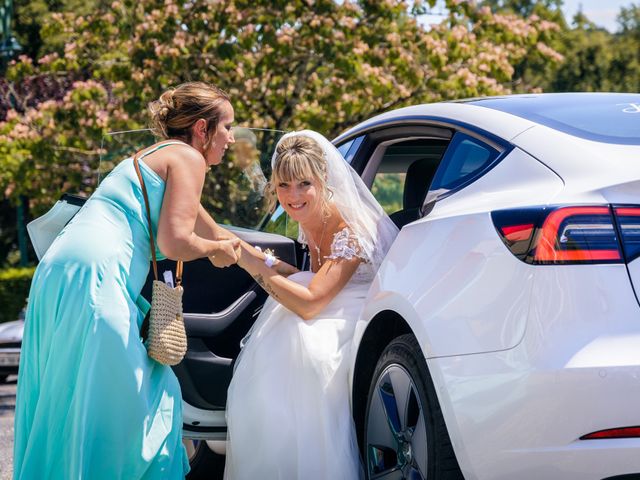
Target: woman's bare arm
207, 227
305, 302
180, 207
280, 267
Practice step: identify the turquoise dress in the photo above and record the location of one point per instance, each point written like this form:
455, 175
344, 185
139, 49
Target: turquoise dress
90, 403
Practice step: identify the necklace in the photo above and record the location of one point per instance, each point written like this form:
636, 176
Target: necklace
316, 245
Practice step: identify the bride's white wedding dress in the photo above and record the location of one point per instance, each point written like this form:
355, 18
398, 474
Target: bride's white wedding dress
288, 411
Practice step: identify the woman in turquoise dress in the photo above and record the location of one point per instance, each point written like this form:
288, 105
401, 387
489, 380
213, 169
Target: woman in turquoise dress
90, 403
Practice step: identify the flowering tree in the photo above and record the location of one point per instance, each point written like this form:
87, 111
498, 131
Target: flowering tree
287, 64
597, 60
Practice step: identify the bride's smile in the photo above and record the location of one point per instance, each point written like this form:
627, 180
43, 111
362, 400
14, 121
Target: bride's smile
300, 199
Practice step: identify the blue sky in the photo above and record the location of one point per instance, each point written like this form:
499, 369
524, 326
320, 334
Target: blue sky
601, 12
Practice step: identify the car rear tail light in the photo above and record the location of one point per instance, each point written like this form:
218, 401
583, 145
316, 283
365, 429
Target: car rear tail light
629, 225
578, 234
571, 234
624, 432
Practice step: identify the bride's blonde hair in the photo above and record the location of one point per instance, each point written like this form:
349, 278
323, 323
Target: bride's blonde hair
298, 158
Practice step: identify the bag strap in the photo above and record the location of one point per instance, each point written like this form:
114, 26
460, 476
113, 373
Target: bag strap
136, 164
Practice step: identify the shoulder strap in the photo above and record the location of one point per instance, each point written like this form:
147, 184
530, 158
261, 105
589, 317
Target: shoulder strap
136, 164
162, 145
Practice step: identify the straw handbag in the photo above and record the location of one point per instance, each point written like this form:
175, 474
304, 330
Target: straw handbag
166, 338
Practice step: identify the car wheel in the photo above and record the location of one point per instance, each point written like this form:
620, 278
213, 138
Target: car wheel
405, 436
204, 463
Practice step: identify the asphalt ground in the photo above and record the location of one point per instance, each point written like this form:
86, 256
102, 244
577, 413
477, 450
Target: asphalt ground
7, 411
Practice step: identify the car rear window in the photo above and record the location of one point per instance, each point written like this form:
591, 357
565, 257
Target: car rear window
602, 117
465, 159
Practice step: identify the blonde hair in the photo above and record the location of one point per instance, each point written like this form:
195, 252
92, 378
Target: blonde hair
177, 109
298, 158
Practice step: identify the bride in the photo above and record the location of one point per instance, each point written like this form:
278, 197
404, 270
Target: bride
288, 410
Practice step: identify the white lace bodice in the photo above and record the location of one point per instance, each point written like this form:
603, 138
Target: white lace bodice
345, 245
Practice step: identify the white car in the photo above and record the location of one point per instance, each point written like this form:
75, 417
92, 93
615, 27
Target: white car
501, 336
10, 343
506, 315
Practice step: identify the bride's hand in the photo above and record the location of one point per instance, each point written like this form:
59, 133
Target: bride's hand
227, 254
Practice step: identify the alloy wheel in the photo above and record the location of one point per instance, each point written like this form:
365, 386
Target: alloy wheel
396, 435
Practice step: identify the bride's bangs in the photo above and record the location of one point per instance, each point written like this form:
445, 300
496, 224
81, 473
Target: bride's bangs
293, 167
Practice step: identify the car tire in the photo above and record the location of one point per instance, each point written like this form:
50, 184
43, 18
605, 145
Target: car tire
204, 463
404, 432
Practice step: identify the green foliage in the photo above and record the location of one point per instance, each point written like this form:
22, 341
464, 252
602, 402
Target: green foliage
590, 59
323, 65
388, 189
596, 60
8, 234
14, 290
55, 147
282, 225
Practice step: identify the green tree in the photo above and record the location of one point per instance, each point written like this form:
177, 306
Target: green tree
287, 64
596, 60
533, 71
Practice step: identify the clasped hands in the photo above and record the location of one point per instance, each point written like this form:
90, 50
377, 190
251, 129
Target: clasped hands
228, 254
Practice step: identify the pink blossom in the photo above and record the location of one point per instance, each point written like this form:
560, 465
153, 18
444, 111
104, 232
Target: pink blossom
348, 22
24, 59
546, 25
47, 59
549, 52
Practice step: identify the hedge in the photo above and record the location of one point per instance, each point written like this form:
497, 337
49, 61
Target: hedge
14, 290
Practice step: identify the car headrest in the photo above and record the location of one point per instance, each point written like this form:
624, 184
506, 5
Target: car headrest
419, 176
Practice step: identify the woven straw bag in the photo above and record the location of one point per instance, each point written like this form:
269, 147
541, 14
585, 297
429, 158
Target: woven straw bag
167, 338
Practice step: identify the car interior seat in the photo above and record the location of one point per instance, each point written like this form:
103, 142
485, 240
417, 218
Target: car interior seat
417, 182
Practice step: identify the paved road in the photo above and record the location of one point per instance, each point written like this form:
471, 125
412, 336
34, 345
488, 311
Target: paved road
7, 410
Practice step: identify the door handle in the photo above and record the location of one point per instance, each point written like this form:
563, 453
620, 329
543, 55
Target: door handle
212, 324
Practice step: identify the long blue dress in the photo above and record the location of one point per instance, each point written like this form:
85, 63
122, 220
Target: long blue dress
90, 403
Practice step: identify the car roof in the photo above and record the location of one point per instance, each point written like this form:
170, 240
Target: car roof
458, 114
612, 118
602, 117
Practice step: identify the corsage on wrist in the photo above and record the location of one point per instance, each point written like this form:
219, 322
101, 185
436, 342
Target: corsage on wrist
269, 258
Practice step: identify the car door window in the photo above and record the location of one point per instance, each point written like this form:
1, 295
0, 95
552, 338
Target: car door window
388, 188
349, 149
465, 160
234, 190
389, 183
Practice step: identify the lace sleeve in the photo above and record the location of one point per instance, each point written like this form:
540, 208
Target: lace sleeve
345, 245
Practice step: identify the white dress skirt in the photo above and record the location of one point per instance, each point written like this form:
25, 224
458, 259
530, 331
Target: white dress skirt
288, 411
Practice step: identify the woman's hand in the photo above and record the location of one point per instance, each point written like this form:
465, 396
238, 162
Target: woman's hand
228, 253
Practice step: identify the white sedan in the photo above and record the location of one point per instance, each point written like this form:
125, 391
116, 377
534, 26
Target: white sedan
502, 333
501, 337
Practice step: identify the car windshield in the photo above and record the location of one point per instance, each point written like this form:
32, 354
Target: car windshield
602, 117
233, 192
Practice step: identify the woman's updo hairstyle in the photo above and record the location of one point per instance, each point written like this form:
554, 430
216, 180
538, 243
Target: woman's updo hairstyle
298, 158
177, 109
